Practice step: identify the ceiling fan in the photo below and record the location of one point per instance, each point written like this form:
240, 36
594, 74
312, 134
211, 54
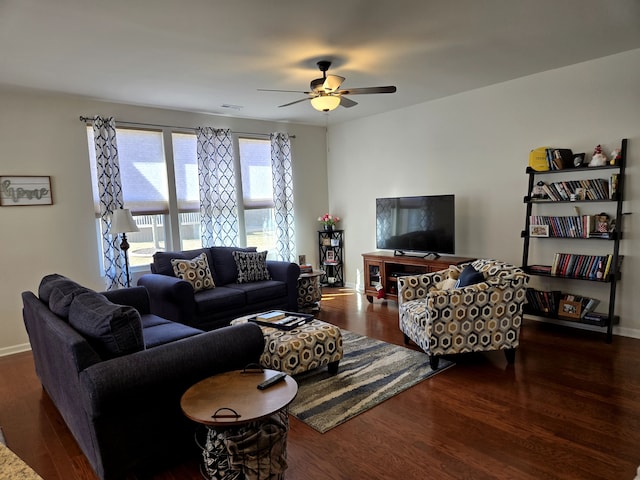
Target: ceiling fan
325, 94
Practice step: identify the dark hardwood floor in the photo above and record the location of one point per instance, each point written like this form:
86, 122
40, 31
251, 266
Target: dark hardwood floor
568, 409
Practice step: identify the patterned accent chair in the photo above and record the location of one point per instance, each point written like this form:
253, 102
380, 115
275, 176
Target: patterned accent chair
480, 317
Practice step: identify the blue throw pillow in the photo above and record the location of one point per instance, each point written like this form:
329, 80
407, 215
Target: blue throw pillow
469, 276
112, 330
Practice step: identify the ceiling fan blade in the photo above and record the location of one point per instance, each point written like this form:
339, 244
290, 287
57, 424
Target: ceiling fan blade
287, 91
359, 91
332, 83
347, 102
293, 103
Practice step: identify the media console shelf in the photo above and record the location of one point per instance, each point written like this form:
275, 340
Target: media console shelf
382, 269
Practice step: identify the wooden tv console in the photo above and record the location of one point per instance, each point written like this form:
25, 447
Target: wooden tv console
384, 268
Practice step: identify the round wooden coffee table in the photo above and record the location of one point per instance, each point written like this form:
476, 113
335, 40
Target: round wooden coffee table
246, 427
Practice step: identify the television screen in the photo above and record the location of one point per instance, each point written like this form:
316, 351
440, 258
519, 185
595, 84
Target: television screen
418, 224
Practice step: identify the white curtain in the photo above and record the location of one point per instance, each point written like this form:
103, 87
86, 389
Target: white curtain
283, 196
216, 174
110, 193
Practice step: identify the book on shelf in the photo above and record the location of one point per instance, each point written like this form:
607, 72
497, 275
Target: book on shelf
590, 307
595, 318
586, 267
559, 158
543, 302
572, 226
569, 190
613, 186
540, 268
552, 303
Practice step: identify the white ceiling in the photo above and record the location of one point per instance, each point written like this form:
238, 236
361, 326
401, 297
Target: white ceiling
198, 55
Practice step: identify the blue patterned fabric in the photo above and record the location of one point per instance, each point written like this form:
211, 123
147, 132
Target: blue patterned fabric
110, 192
283, 196
216, 174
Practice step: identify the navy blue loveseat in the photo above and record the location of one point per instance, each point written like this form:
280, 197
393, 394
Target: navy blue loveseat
116, 372
211, 308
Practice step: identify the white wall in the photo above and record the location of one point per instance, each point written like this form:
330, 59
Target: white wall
476, 145
41, 134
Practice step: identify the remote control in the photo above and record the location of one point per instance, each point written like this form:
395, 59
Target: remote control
272, 381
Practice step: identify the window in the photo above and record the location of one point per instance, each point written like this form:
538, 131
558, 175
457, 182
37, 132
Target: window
185, 162
148, 172
257, 193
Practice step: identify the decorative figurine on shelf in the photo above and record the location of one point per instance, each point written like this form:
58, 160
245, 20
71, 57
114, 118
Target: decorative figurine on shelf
602, 223
616, 156
598, 159
537, 191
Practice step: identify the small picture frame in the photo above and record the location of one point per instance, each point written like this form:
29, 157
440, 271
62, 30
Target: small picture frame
569, 309
330, 257
538, 230
326, 242
25, 190
302, 259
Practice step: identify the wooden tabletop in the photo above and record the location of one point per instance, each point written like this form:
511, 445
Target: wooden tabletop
237, 391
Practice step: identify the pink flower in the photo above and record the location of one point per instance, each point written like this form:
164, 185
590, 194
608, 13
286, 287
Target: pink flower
328, 219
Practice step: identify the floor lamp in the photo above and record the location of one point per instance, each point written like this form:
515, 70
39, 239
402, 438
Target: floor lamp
122, 222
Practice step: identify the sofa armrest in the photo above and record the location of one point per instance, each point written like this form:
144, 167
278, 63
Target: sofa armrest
287, 272
136, 297
169, 297
415, 287
162, 374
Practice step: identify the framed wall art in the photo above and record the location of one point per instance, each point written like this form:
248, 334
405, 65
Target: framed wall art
25, 190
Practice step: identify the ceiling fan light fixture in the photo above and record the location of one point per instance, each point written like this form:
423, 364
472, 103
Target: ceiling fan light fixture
325, 103
332, 83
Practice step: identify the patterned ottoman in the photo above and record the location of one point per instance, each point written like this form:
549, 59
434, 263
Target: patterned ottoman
304, 348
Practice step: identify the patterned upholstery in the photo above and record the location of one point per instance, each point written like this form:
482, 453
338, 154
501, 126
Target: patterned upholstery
480, 317
304, 348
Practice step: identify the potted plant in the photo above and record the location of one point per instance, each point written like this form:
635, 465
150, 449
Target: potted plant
328, 221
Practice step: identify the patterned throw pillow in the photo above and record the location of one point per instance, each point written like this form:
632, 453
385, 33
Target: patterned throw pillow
252, 266
195, 271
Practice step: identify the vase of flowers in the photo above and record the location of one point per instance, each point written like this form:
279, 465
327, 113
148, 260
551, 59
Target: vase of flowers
328, 221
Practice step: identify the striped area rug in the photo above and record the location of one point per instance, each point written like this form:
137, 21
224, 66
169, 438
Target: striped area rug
371, 371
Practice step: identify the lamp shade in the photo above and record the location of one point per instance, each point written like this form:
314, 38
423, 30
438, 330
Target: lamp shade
122, 222
325, 103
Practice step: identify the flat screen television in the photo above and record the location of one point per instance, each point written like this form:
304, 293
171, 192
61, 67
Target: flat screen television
424, 224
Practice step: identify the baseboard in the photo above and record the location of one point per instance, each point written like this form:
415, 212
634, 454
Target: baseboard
25, 347
617, 330
626, 332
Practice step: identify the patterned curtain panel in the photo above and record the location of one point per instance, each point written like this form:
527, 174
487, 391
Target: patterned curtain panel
110, 191
218, 201
283, 196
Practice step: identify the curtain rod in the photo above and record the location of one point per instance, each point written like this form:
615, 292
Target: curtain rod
140, 124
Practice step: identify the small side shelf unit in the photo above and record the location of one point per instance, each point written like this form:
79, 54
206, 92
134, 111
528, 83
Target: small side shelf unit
593, 238
331, 257
382, 269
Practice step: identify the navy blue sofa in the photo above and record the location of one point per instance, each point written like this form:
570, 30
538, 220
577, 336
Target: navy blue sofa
116, 372
176, 300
